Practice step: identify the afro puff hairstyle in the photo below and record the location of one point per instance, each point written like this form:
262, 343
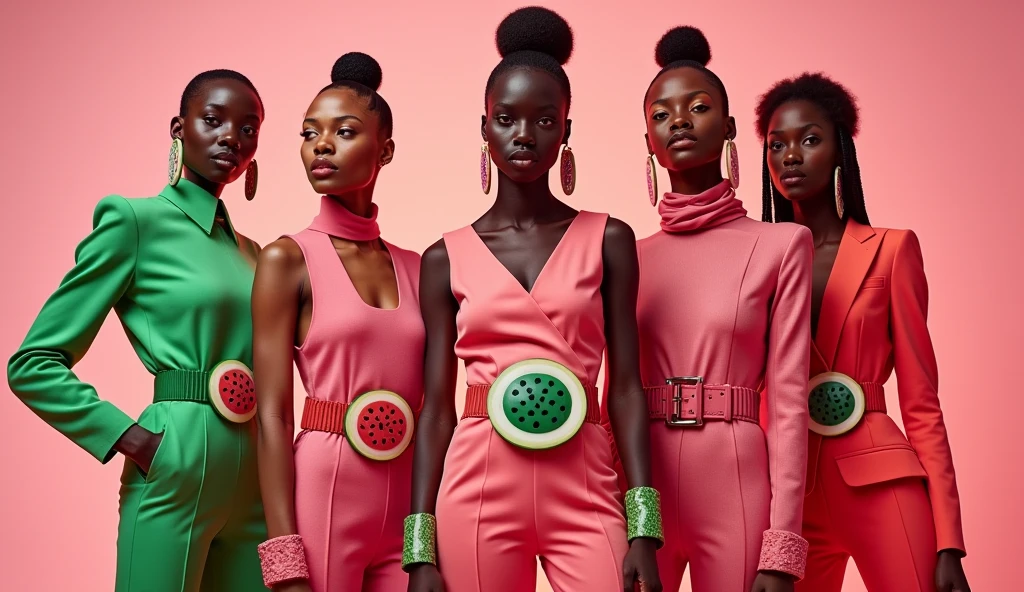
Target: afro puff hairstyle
687, 47
840, 106
362, 75
534, 38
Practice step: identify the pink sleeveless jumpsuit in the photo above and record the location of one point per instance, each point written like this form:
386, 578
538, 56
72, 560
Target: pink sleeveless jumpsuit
349, 509
500, 506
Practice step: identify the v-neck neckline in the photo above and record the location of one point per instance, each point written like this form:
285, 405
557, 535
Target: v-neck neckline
829, 281
547, 262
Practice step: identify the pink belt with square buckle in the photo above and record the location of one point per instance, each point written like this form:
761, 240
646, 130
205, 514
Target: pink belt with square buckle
685, 401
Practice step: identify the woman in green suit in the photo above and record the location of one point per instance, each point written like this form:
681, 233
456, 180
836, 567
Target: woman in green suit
179, 278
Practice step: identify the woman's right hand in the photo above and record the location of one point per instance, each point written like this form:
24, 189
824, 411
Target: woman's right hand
425, 578
294, 586
139, 444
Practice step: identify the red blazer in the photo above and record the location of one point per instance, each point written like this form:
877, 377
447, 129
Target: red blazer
874, 318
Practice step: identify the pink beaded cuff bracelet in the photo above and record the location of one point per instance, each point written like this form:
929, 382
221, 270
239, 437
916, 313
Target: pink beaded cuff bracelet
282, 559
783, 551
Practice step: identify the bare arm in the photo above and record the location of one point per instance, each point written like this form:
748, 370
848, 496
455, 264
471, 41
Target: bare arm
276, 298
437, 420
627, 407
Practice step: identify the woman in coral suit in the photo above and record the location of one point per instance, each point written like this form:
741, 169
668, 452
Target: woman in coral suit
890, 504
723, 318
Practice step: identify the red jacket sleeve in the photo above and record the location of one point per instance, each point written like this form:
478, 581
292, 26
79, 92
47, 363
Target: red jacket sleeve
918, 381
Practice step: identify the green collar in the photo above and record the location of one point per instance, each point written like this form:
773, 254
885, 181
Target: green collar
199, 205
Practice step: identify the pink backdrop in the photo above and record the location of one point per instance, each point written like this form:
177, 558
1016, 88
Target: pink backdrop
90, 91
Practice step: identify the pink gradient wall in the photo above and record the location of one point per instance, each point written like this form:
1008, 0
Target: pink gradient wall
89, 92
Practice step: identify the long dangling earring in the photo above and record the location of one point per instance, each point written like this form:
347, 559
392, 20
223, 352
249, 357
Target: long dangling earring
568, 170
838, 182
251, 176
175, 162
485, 169
652, 180
732, 163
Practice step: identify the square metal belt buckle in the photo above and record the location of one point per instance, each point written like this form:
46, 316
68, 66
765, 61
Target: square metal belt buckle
692, 417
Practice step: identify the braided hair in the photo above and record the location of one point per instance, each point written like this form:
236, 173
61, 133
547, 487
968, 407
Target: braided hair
362, 75
534, 38
841, 108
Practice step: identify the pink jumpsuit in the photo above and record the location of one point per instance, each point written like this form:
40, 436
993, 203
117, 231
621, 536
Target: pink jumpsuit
727, 298
499, 506
349, 509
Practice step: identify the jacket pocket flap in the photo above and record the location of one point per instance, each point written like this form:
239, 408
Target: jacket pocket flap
875, 281
878, 465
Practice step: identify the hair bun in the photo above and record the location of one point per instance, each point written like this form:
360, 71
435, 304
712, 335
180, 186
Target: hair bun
683, 43
535, 29
357, 67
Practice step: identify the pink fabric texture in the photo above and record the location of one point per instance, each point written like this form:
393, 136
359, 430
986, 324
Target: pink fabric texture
336, 220
499, 506
783, 551
282, 559
726, 298
686, 213
350, 509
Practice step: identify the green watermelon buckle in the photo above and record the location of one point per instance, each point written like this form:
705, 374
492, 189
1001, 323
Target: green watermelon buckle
537, 404
835, 404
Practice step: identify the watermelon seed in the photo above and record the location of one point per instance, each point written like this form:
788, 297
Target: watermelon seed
536, 424
561, 393
529, 390
536, 381
522, 419
366, 418
375, 442
400, 420
515, 393
523, 403
371, 434
545, 412
522, 383
380, 426
545, 391
382, 408
554, 420
551, 402
542, 399
231, 400
392, 440
551, 383
531, 397
562, 408
530, 413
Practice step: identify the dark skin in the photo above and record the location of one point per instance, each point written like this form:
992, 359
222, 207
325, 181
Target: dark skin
803, 151
525, 123
343, 150
687, 126
219, 135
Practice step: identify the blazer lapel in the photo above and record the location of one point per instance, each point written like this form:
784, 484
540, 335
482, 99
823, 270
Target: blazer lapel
856, 252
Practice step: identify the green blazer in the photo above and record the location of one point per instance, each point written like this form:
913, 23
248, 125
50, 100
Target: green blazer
179, 282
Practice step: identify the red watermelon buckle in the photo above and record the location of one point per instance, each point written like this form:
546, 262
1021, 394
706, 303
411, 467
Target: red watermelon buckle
233, 391
379, 425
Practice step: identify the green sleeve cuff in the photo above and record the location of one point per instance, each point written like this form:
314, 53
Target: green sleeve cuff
643, 514
420, 541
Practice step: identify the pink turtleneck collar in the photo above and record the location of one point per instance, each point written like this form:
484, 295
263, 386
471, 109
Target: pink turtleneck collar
686, 213
336, 220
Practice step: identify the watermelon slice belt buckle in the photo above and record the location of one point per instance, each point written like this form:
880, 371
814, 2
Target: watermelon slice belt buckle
379, 425
835, 403
537, 404
232, 391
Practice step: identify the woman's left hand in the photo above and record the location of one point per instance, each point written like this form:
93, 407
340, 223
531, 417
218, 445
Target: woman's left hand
640, 569
949, 573
773, 581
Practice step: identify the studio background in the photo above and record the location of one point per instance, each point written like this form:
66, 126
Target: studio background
90, 88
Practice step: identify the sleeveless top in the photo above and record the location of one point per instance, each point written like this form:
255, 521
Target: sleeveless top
562, 319
352, 347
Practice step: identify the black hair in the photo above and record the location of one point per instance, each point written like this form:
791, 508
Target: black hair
194, 86
362, 75
687, 47
534, 38
840, 106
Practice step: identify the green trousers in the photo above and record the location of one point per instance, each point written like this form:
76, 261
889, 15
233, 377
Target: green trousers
193, 523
